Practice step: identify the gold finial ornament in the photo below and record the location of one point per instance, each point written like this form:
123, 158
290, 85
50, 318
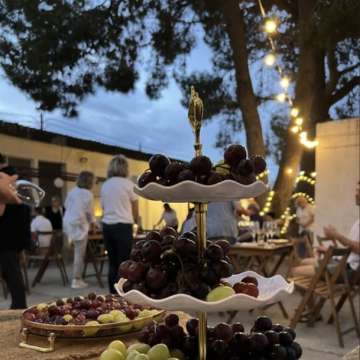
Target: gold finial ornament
195, 115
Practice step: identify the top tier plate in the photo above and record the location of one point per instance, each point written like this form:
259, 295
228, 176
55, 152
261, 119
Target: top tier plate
190, 191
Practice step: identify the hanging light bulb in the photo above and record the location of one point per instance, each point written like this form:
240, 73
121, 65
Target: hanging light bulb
299, 121
270, 59
295, 129
270, 26
289, 171
281, 97
303, 136
285, 82
294, 112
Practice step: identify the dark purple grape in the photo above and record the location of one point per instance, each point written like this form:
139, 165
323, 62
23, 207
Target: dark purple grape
192, 326
214, 252
152, 235
200, 165
239, 343
201, 290
190, 346
136, 255
259, 164
258, 342
223, 331
238, 327
177, 335
290, 331
139, 244
218, 349
60, 302
234, 154
168, 231
245, 168
250, 280
146, 178
135, 272
210, 276
141, 286
92, 296
172, 172
297, 348
272, 336
285, 338
263, 323
291, 353
225, 245
277, 352
186, 174
223, 268
92, 314
123, 268
214, 178
144, 335
158, 163
277, 327
151, 251
172, 320
156, 279
189, 235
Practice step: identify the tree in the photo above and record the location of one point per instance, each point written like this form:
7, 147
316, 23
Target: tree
58, 52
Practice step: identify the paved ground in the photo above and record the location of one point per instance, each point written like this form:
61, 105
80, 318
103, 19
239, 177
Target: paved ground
319, 342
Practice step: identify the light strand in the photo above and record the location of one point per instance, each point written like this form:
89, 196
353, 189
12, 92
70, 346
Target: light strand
270, 28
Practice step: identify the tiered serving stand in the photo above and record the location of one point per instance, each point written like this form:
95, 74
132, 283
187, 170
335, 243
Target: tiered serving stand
270, 289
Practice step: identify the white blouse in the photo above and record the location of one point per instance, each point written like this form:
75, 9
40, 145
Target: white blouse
79, 213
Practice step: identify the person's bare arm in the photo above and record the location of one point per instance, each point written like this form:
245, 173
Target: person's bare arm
135, 210
332, 233
308, 223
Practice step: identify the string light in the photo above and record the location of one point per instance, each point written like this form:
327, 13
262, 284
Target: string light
262, 175
270, 28
289, 171
313, 174
299, 121
281, 97
268, 203
303, 177
285, 82
270, 59
294, 112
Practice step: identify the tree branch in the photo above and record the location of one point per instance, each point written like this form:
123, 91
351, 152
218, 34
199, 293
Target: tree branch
344, 90
334, 74
349, 69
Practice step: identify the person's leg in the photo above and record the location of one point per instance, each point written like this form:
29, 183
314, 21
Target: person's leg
122, 247
110, 244
9, 263
79, 257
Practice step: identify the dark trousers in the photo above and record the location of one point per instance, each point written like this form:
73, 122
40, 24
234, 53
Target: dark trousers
10, 268
118, 241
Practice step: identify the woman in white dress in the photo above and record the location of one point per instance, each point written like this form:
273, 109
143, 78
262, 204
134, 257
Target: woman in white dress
169, 217
79, 216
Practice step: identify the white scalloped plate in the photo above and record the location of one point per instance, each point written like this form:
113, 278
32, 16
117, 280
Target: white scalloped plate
271, 290
190, 191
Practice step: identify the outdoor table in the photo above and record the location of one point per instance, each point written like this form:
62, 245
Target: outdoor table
65, 349
261, 254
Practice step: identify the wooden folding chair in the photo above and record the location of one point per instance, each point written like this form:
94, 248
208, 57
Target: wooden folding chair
96, 255
52, 253
329, 281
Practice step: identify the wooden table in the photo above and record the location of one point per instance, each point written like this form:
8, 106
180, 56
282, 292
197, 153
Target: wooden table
260, 255
65, 349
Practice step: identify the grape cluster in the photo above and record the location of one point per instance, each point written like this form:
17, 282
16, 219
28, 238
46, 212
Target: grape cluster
266, 341
165, 264
235, 166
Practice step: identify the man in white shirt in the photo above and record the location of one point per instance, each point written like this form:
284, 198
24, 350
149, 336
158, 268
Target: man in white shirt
41, 224
352, 241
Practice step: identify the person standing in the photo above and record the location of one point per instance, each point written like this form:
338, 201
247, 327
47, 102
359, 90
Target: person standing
304, 216
222, 221
15, 237
43, 225
78, 219
55, 213
120, 211
169, 217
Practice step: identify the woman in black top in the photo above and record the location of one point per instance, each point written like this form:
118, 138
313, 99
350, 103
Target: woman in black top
55, 213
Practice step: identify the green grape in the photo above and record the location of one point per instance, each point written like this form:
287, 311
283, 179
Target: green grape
116, 313
119, 346
112, 354
131, 355
219, 293
141, 357
105, 319
159, 352
178, 354
67, 317
91, 331
140, 347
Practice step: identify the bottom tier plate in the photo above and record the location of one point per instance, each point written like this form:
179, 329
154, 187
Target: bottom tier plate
271, 290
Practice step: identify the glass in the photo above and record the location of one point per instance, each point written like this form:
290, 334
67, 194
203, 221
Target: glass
29, 193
